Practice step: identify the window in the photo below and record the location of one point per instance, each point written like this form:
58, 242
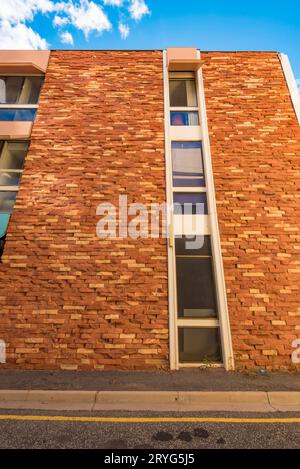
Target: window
184, 118
183, 90
12, 157
17, 114
195, 280
199, 345
196, 284
187, 164
20, 90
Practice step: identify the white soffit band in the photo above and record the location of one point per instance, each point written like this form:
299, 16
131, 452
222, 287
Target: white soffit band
291, 82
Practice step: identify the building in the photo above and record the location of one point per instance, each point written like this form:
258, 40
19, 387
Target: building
217, 130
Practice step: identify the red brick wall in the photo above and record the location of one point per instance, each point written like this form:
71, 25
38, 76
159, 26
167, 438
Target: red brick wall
255, 141
68, 299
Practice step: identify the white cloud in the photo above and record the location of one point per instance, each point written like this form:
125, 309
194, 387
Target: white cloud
16, 11
114, 3
87, 16
138, 9
20, 36
298, 84
124, 30
67, 38
60, 21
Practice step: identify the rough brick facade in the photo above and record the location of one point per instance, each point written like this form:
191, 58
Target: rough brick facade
69, 299
72, 301
255, 140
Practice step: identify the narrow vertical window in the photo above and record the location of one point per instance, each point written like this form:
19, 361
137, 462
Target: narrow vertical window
183, 90
187, 164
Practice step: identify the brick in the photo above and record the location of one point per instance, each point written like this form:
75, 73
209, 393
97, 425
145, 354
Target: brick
99, 132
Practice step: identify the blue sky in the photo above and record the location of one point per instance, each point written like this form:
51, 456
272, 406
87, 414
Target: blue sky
151, 24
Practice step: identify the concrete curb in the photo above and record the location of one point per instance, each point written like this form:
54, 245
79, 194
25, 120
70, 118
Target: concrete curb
238, 401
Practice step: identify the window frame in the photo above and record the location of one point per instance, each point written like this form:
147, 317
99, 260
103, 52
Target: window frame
22, 106
8, 188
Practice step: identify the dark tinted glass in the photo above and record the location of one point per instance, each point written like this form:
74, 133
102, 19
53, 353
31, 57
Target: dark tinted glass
183, 93
200, 247
199, 345
178, 96
9, 178
7, 201
195, 288
187, 203
12, 154
187, 164
20, 90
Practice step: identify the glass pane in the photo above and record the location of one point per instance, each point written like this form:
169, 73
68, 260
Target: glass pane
184, 118
192, 245
4, 219
10, 89
187, 203
178, 96
20, 90
17, 114
7, 201
13, 155
31, 90
183, 93
199, 345
187, 164
191, 93
9, 179
195, 288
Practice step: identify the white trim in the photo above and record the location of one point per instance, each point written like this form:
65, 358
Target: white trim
18, 106
189, 189
291, 83
215, 238
198, 322
185, 133
9, 188
182, 224
184, 109
201, 365
173, 347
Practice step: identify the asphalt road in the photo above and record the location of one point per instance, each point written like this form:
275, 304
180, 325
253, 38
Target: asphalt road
147, 435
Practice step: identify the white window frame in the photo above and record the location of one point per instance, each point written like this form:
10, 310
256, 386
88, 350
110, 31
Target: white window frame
7, 170
20, 106
174, 322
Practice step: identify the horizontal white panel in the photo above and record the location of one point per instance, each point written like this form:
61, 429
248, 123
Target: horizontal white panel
183, 322
189, 189
185, 133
